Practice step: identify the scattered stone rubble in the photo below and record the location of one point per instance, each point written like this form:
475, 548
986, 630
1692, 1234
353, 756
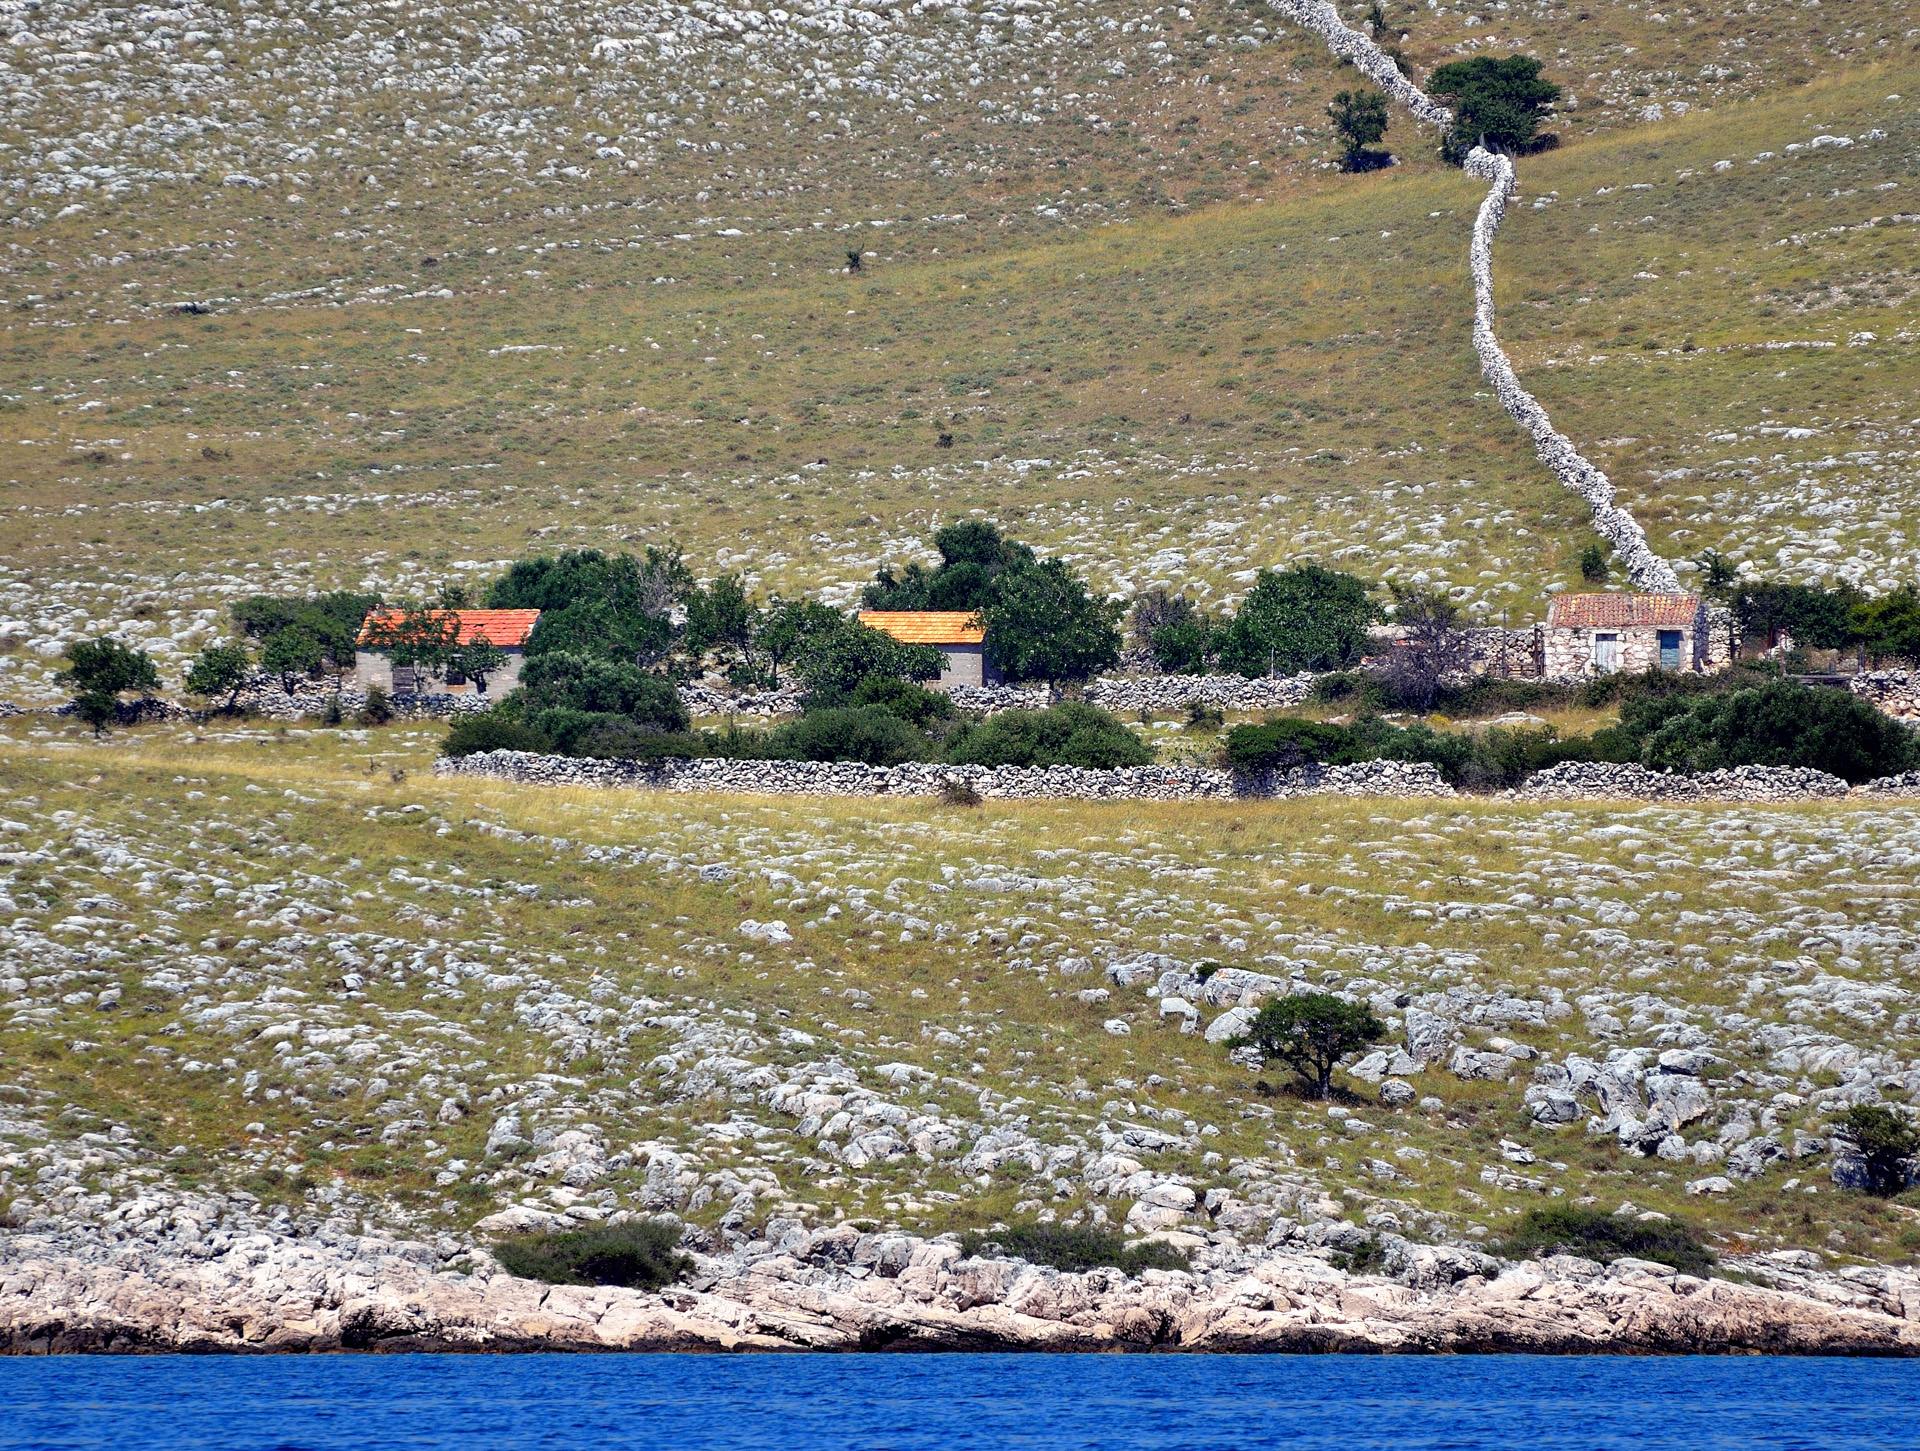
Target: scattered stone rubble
176, 1278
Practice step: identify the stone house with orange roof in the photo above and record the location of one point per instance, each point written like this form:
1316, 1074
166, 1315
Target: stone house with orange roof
507, 629
1599, 634
956, 634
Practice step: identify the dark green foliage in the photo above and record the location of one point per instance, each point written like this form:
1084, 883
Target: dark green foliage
637, 1255
1311, 1033
219, 670
1596, 1235
915, 704
594, 684
1283, 744
291, 653
1781, 723
305, 636
1888, 1143
1593, 564
1496, 102
869, 733
1070, 734
378, 710
1822, 618
1365, 1258
104, 666
616, 605
786, 627
1043, 625
1180, 638
973, 555
1361, 119
1307, 618
1485, 760
102, 670
1890, 625
491, 730
836, 664
1073, 1249
720, 618
615, 738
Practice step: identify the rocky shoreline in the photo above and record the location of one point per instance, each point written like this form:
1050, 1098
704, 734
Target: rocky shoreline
174, 1285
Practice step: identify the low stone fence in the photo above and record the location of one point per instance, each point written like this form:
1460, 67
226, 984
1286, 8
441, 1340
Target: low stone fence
1605, 780
277, 704
847, 778
705, 700
1129, 695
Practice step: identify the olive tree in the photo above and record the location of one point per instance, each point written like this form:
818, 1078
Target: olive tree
1311, 1033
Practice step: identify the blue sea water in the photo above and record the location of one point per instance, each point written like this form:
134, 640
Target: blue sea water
957, 1402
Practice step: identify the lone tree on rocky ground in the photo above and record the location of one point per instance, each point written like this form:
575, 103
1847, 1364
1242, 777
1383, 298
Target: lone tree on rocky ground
1496, 103
1593, 564
1887, 1143
1311, 1033
1432, 647
219, 670
1361, 119
100, 672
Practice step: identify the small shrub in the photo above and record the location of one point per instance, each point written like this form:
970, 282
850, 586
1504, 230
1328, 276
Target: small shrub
333, 713
1888, 1143
619, 739
955, 792
1365, 1258
1074, 1249
378, 710
1593, 565
641, 1254
1781, 723
1596, 1235
1202, 717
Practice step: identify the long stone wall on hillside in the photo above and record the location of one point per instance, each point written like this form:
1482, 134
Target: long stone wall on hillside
1646, 569
850, 778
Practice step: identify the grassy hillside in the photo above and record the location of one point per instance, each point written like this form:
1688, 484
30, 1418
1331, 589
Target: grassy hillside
297, 965
397, 395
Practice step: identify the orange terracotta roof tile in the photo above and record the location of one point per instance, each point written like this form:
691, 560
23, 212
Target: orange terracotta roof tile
1622, 611
927, 627
506, 628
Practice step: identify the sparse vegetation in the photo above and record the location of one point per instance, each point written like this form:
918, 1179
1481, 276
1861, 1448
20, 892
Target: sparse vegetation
1596, 1235
1074, 1249
640, 1254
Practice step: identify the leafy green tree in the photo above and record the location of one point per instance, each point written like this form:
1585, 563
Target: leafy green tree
617, 605
1306, 618
1498, 103
100, 672
1070, 734
1311, 1033
869, 733
477, 660
1718, 574
1890, 625
292, 652
834, 664
566, 696
786, 627
1593, 564
973, 556
333, 620
1042, 624
219, 670
1822, 618
1887, 1142
720, 617
421, 638
1361, 119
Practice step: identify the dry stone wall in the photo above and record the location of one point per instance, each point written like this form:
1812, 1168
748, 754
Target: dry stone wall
1604, 780
1646, 569
1895, 692
850, 778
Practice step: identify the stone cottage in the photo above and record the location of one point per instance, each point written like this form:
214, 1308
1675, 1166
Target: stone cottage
1597, 634
957, 634
508, 629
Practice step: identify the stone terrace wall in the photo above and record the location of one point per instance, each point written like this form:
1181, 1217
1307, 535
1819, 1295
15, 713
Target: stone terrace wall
1127, 695
1895, 692
844, 778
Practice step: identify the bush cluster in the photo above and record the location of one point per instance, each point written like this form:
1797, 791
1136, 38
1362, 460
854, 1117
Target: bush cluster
1667, 722
1074, 1249
1596, 1235
641, 1254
